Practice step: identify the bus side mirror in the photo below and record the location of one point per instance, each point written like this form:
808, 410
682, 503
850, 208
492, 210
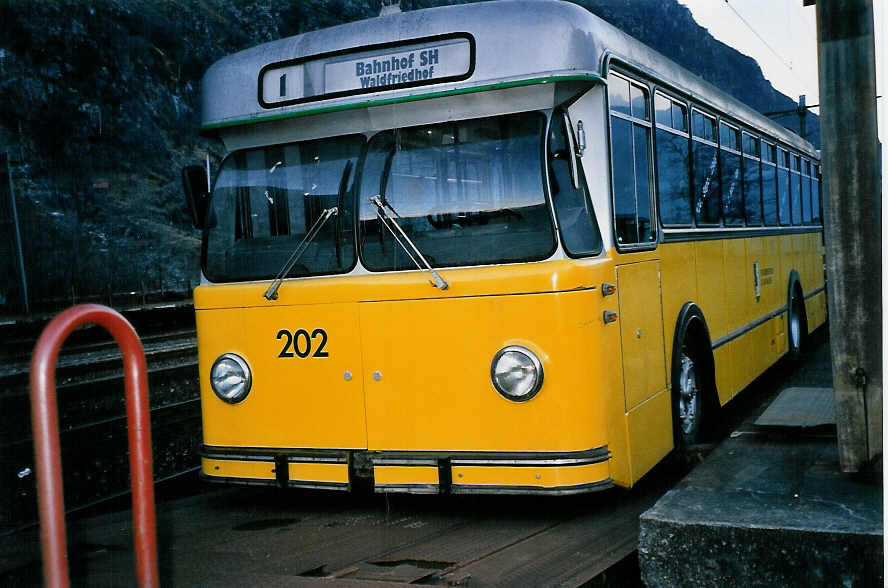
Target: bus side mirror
197, 194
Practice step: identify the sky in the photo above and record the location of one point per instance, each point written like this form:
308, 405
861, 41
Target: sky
780, 35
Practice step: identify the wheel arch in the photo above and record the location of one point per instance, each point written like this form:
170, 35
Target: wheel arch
690, 320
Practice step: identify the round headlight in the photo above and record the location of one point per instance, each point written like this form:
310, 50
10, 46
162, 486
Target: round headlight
230, 378
516, 373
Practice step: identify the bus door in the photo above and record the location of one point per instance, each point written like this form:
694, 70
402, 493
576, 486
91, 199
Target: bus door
641, 331
648, 406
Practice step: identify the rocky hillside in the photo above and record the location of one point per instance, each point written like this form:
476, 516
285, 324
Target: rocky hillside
98, 112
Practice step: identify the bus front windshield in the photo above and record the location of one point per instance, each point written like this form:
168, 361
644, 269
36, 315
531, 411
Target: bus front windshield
465, 192
265, 202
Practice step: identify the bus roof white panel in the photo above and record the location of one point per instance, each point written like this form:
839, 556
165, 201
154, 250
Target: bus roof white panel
514, 41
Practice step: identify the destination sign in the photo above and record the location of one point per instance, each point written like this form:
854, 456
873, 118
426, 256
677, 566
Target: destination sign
376, 68
422, 63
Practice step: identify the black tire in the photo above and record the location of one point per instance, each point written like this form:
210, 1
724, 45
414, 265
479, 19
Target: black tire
796, 323
688, 396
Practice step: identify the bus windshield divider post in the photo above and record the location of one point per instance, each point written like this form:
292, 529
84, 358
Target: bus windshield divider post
271, 293
389, 222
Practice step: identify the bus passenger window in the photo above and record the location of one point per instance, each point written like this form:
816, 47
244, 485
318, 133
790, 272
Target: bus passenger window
704, 126
752, 181
783, 187
732, 186
673, 163
624, 181
642, 182
680, 117
630, 149
576, 219
795, 189
663, 109
769, 184
618, 94
806, 192
640, 107
707, 196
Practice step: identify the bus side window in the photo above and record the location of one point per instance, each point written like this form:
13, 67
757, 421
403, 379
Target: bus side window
576, 219
631, 162
707, 191
783, 207
795, 189
673, 163
752, 180
769, 184
731, 180
806, 192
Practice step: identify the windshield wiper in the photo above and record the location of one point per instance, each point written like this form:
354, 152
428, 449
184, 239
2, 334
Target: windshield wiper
395, 229
271, 293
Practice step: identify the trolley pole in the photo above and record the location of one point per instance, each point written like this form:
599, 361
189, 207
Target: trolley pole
852, 214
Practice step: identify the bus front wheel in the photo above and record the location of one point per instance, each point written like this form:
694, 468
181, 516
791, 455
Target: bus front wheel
694, 401
688, 398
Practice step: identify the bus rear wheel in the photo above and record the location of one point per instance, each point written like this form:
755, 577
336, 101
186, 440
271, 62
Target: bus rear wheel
797, 326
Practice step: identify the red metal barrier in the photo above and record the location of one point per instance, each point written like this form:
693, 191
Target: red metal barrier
45, 421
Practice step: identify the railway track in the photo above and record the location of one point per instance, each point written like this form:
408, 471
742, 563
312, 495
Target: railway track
92, 414
94, 362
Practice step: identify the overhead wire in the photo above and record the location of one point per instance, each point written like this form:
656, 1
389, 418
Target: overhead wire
786, 63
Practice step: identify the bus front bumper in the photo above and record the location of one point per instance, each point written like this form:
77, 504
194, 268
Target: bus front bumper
416, 472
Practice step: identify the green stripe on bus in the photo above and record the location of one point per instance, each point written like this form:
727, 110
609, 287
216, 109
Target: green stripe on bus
401, 99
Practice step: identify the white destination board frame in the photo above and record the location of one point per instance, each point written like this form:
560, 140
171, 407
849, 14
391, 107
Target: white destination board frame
431, 60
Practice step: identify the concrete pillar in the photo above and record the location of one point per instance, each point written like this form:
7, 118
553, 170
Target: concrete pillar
852, 223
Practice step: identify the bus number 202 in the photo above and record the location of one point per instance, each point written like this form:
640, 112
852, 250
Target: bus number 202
301, 343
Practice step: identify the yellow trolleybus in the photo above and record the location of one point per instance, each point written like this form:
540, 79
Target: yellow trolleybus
491, 248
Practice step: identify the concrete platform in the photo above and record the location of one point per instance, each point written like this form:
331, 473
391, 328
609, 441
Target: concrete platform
768, 507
